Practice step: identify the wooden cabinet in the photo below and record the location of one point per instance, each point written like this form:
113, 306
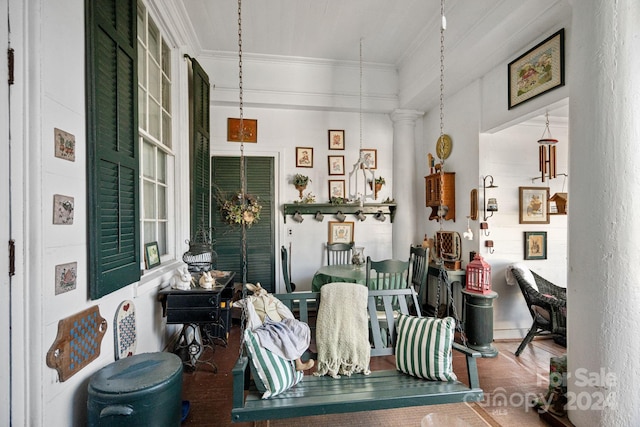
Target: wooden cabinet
437, 184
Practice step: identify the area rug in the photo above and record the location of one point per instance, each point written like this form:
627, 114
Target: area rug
468, 414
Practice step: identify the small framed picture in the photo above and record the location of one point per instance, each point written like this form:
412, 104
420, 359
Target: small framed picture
66, 275
336, 140
336, 165
63, 207
340, 232
535, 245
250, 127
370, 157
304, 157
65, 145
534, 205
336, 188
151, 255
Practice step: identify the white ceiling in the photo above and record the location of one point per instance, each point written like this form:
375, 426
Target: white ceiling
480, 35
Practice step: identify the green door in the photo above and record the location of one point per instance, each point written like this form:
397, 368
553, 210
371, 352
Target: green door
260, 236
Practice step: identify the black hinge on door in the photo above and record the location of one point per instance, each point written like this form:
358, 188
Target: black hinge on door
12, 258
10, 62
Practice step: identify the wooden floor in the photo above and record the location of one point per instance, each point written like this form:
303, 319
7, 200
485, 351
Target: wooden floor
509, 383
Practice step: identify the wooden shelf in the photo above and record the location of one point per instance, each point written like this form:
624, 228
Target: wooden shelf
349, 208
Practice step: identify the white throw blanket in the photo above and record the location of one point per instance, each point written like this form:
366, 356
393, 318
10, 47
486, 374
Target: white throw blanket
342, 330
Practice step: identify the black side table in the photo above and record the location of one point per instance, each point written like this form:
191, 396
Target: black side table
201, 312
478, 321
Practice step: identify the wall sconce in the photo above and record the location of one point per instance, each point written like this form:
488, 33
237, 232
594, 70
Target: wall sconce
489, 244
297, 217
490, 205
485, 228
340, 216
360, 215
380, 216
318, 216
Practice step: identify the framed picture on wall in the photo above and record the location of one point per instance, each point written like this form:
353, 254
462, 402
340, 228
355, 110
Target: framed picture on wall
304, 157
370, 157
250, 127
535, 245
336, 188
534, 205
151, 255
538, 70
336, 165
340, 232
336, 140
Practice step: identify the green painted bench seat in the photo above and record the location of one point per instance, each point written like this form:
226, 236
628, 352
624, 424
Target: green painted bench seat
379, 390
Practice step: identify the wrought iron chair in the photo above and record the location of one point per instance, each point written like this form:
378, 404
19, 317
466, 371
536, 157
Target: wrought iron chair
547, 305
339, 253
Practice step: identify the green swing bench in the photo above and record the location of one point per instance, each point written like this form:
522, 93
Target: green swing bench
379, 390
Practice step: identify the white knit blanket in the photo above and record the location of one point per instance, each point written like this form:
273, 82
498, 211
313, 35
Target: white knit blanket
342, 330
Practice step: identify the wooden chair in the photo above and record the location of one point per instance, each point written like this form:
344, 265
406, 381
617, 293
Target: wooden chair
547, 305
387, 274
339, 253
285, 270
418, 270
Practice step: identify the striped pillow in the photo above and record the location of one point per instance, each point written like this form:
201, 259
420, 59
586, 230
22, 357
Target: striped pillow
271, 373
423, 347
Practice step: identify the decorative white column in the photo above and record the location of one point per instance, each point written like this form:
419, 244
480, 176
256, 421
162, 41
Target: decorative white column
604, 207
404, 181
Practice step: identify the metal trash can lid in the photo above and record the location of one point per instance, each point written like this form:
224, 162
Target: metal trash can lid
136, 373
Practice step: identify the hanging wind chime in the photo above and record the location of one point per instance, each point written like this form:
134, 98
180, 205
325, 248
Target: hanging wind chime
547, 152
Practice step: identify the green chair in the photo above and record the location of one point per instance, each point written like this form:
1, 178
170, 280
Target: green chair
418, 270
387, 274
339, 253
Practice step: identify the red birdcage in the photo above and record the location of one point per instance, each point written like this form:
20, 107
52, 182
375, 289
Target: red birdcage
478, 276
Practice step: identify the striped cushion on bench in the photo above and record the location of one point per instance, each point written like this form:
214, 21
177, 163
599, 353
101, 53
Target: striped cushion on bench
423, 348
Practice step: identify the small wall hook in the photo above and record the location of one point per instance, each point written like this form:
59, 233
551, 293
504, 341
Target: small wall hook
485, 229
489, 245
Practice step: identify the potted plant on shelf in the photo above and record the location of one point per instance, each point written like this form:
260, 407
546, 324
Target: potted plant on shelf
379, 182
300, 182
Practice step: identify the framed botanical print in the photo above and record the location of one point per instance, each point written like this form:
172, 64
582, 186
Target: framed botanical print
250, 127
336, 165
370, 157
534, 205
535, 245
304, 157
336, 188
336, 140
340, 232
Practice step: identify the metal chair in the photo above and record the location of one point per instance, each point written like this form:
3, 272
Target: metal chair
339, 253
285, 270
547, 306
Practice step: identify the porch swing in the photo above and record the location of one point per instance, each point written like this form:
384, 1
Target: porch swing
322, 395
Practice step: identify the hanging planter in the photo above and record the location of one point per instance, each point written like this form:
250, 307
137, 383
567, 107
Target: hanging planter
241, 210
300, 182
379, 182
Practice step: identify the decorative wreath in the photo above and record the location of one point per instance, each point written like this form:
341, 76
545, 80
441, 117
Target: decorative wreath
237, 210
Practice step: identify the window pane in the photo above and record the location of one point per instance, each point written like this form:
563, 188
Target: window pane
150, 232
154, 118
162, 238
142, 66
162, 167
166, 59
162, 202
154, 41
154, 80
149, 201
166, 94
142, 31
142, 109
166, 129
148, 161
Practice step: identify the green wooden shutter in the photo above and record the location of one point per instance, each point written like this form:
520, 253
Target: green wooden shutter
261, 236
200, 155
112, 145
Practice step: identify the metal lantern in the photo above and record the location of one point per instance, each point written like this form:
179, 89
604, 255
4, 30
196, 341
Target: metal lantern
478, 276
